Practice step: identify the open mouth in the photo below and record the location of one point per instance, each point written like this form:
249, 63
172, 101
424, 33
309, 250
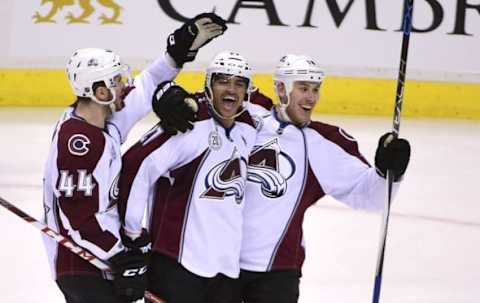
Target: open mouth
307, 108
229, 102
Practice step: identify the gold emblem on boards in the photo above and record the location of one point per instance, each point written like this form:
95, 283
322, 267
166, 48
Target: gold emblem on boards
87, 9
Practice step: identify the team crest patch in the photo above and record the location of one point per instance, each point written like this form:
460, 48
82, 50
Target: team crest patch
114, 190
113, 193
225, 179
78, 145
214, 140
271, 168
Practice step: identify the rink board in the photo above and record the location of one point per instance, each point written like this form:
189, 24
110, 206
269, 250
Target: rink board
339, 95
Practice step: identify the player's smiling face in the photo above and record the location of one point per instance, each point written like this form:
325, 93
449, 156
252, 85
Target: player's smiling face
303, 97
228, 94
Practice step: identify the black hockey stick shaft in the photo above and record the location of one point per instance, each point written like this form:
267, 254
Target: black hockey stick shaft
407, 26
82, 253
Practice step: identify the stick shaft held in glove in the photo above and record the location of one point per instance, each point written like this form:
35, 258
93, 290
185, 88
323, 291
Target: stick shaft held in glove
407, 26
82, 253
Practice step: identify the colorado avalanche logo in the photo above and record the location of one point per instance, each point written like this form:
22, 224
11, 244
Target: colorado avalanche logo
270, 168
114, 190
225, 179
113, 193
78, 145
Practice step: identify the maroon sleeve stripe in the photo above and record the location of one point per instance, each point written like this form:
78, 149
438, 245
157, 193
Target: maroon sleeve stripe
131, 162
339, 137
258, 98
170, 212
289, 253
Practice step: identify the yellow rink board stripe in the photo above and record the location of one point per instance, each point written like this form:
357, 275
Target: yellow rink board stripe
339, 95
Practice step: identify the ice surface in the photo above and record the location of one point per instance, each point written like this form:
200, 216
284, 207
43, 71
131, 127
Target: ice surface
433, 246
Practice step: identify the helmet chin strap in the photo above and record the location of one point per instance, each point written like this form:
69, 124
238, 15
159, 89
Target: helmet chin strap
282, 113
113, 107
282, 106
110, 103
227, 118
210, 101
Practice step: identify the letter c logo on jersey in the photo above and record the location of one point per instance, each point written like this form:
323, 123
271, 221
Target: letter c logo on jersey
271, 168
78, 145
225, 179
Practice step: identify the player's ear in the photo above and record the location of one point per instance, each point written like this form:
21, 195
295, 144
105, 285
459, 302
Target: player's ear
102, 93
281, 89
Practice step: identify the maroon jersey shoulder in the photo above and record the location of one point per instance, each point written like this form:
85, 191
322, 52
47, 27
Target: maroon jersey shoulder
80, 145
339, 137
256, 97
246, 118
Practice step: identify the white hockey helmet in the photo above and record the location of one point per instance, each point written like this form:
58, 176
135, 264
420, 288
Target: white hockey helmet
293, 68
90, 65
228, 63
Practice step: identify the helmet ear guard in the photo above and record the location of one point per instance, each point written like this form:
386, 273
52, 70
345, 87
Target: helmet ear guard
88, 66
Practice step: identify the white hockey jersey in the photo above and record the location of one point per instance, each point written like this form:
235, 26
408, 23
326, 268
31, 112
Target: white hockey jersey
289, 169
81, 174
192, 186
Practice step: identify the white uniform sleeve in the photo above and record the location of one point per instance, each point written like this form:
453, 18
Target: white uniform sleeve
143, 166
344, 175
138, 102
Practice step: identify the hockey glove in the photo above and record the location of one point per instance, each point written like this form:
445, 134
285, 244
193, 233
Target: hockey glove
392, 154
184, 43
130, 267
174, 107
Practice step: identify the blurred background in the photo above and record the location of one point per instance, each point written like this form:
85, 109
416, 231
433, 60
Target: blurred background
356, 41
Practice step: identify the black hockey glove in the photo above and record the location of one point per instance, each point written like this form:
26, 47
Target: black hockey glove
130, 267
184, 43
174, 107
393, 154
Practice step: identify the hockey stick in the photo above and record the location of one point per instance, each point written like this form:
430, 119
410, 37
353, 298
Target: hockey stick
82, 253
407, 26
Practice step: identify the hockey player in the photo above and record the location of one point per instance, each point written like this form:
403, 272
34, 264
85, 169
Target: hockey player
192, 186
81, 172
295, 163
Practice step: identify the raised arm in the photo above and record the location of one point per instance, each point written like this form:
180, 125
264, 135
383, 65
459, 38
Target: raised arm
182, 46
